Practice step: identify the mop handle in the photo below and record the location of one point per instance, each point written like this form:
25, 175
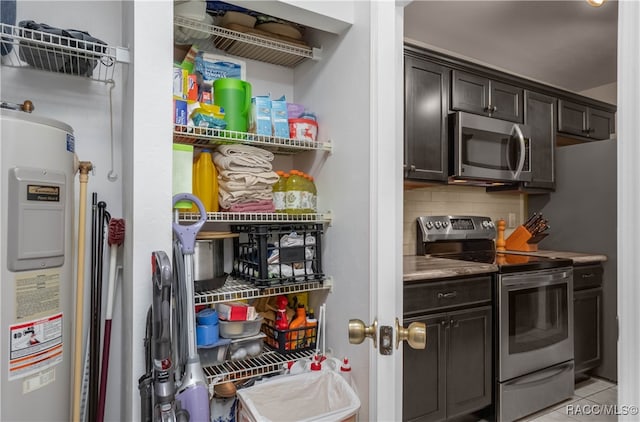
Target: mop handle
187, 234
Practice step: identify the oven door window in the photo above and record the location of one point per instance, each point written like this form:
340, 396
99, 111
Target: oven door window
490, 150
538, 317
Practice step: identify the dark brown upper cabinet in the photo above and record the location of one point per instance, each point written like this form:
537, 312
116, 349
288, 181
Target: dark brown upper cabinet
584, 122
540, 116
479, 95
425, 130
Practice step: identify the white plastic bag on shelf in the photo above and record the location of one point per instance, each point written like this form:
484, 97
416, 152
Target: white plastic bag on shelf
307, 397
296, 269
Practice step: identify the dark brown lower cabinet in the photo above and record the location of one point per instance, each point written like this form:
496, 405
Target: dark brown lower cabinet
587, 316
452, 375
587, 333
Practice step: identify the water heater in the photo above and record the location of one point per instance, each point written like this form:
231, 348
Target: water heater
37, 276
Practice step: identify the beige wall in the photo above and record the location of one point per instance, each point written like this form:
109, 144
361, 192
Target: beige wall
457, 200
607, 93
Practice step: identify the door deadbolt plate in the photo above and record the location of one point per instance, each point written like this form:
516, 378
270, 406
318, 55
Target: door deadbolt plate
386, 340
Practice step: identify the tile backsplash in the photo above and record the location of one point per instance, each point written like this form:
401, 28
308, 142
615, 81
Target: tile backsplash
457, 200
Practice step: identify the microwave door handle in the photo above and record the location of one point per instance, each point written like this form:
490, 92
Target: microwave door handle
523, 151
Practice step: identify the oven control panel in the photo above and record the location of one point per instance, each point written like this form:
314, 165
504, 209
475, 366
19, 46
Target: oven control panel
449, 227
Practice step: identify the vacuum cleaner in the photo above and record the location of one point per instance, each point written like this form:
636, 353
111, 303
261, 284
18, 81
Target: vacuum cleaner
193, 392
174, 392
165, 408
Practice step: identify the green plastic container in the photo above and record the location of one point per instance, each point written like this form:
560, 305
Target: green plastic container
234, 95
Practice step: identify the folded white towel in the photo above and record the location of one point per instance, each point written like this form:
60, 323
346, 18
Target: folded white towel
241, 163
227, 199
245, 150
250, 178
231, 186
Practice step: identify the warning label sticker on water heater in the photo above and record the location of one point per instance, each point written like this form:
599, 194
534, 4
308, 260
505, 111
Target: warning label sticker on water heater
37, 294
35, 345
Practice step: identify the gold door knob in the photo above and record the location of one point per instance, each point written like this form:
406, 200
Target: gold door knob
415, 334
358, 331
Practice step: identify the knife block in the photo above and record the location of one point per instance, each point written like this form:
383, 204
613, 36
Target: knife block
521, 240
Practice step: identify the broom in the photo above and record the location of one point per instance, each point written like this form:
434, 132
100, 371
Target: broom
115, 239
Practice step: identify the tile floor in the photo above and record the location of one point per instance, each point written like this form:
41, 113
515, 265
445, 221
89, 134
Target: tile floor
585, 405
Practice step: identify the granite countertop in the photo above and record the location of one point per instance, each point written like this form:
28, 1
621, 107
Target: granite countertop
576, 257
418, 267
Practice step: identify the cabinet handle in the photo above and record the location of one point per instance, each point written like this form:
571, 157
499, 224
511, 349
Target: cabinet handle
412, 167
590, 275
443, 323
452, 323
449, 295
494, 109
489, 108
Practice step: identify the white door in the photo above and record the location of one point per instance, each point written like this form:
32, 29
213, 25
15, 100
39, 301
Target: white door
357, 89
386, 202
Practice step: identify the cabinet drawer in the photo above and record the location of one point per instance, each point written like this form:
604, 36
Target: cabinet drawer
587, 276
435, 295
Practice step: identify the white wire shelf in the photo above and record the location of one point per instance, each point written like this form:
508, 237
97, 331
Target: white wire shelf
202, 136
248, 45
256, 217
44, 51
235, 289
269, 362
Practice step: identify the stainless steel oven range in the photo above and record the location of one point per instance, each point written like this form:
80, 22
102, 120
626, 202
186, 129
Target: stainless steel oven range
533, 302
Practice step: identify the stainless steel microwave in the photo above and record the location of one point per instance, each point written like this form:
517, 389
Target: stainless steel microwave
487, 149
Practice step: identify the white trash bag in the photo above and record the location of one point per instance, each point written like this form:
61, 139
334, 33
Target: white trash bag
307, 397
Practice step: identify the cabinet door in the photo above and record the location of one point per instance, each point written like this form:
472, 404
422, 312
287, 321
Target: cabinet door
469, 93
506, 101
601, 124
587, 330
425, 132
540, 117
423, 393
469, 358
572, 118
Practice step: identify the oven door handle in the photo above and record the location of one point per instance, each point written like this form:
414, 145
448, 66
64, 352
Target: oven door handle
537, 280
523, 151
542, 376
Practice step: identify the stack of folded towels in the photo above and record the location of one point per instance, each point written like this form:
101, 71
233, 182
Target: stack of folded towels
245, 178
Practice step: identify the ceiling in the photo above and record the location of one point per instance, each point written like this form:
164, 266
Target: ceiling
568, 44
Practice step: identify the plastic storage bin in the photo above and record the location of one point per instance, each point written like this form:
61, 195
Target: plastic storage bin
289, 341
307, 397
246, 348
214, 354
272, 254
240, 329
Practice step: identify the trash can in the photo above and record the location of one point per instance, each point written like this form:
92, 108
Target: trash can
307, 397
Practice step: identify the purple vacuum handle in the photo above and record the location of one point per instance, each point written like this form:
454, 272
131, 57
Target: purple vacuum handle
195, 400
187, 234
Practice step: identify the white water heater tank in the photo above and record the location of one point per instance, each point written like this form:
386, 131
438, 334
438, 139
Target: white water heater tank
37, 277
